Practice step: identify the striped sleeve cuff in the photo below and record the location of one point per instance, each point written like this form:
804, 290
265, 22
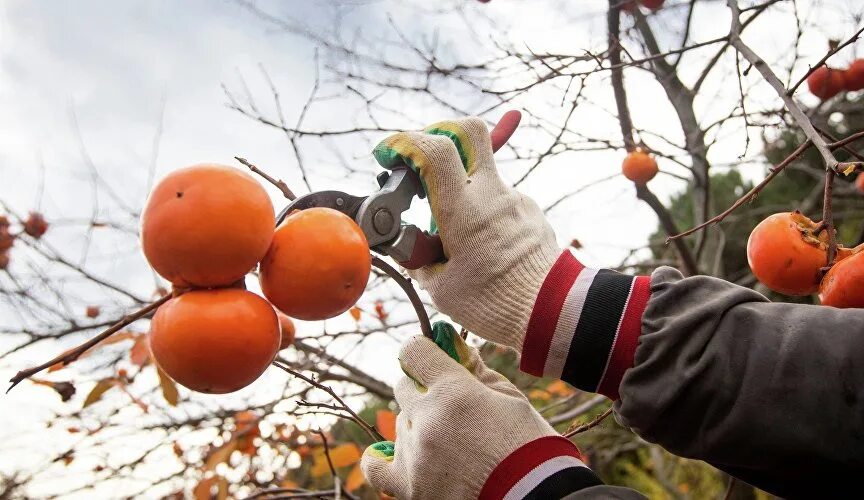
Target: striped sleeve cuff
585, 326
549, 467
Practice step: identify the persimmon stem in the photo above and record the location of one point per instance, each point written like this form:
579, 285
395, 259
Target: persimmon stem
72, 355
279, 183
409, 290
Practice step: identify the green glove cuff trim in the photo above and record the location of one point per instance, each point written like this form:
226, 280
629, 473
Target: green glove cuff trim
455, 133
382, 449
389, 155
444, 336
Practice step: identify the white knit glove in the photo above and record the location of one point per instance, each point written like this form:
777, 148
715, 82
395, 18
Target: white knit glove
464, 432
498, 243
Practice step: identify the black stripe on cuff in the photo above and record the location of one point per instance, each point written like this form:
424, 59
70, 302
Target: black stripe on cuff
595, 332
564, 482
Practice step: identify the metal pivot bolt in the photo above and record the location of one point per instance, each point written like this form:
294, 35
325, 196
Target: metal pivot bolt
383, 221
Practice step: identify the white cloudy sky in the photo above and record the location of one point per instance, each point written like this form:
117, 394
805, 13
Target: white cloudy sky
115, 76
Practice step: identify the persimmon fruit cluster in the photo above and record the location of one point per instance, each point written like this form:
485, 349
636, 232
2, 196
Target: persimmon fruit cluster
787, 253
203, 229
826, 82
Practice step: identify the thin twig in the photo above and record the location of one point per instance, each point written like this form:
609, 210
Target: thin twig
594, 423
822, 61
768, 74
72, 355
314, 383
747, 196
279, 183
409, 290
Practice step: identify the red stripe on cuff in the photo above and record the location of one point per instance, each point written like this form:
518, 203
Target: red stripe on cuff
622, 357
522, 461
547, 309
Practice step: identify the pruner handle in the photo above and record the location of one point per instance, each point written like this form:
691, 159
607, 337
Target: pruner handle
414, 248
427, 250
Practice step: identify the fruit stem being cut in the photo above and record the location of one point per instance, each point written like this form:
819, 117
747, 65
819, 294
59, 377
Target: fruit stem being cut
406, 285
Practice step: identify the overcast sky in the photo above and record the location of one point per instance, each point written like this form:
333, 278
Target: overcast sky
116, 76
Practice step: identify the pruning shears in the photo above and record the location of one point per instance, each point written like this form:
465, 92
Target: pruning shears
379, 214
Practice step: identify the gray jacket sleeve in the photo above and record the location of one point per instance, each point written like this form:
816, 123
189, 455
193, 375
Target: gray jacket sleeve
771, 393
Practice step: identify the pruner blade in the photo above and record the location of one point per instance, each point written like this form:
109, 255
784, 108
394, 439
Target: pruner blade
337, 200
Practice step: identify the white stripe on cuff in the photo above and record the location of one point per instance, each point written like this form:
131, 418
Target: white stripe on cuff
617, 331
538, 474
567, 321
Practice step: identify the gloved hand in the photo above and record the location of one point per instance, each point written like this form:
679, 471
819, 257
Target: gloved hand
464, 432
498, 243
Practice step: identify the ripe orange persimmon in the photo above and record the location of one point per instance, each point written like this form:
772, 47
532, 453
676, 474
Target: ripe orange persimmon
4, 260
859, 182
826, 82
639, 167
854, 79
92, 311
786, 255
289, 331
215, 341
206, 225
317, 266
843, 285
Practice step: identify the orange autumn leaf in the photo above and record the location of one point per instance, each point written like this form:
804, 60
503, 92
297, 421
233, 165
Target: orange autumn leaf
246, 422
202, 489
65, 389
355, 313
559, 388
385, 421
139, 355
341, 456
538, 394
379, 310
98, 390
345, 455
355, 479
220, 455
222, 488
169, 388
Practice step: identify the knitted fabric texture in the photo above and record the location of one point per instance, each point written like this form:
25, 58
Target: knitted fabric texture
450, 438
498, 243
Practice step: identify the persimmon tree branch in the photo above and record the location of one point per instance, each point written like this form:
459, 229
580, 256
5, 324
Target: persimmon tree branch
749, 195
72, 355
688, 262
768, 74
682, 100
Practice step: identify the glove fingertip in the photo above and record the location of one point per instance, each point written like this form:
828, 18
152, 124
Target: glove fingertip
377, 466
